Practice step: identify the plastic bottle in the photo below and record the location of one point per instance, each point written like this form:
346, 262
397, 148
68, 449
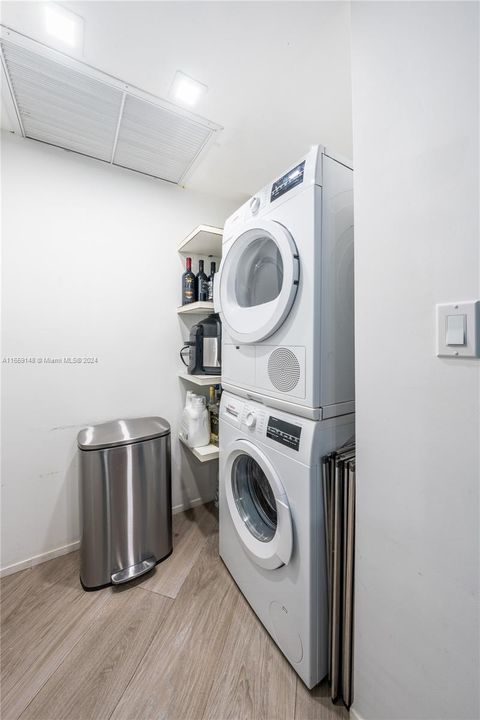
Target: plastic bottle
183, 431
198, 422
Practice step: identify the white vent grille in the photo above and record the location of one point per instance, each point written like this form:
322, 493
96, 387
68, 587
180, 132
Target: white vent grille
283, 369
156, 141
60, 106
64, 102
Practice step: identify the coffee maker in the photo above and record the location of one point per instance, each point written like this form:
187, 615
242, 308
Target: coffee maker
204, 347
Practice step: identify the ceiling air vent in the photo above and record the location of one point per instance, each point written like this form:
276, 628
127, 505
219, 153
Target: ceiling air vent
64, 102
157, 141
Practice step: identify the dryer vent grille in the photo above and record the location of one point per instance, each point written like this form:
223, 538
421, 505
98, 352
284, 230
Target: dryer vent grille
283, 369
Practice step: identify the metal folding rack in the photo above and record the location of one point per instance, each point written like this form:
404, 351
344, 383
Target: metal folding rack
339, 502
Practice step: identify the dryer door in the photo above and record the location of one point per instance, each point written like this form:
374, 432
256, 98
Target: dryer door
258, 281
258, 505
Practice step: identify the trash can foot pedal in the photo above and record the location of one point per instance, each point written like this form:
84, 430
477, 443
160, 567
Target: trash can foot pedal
133, 571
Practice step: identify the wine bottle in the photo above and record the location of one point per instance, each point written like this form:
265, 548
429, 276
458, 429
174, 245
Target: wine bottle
210, 281
201, 283
188, 284
214, 418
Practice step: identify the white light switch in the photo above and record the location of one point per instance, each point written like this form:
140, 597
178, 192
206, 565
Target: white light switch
458, 329
456, 326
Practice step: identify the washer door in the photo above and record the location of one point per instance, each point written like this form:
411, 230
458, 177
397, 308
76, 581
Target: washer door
258, 505
258, 281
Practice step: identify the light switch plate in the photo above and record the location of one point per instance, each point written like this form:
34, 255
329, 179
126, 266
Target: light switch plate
471, 326
456, 330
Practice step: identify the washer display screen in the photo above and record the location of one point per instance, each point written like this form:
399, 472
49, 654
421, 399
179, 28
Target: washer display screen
284, 433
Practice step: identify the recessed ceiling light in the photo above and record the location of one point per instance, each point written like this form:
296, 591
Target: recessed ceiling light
63, 25
186, 90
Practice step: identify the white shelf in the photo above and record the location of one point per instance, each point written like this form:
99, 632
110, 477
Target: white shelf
205, 453
204, 240
195, 308
201, 379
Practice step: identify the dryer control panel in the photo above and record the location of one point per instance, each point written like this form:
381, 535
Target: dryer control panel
288, 181
306, 173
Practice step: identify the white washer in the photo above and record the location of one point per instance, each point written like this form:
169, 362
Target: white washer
285, 291
272, 533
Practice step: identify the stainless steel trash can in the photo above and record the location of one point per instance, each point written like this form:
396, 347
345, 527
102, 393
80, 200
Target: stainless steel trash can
125, 499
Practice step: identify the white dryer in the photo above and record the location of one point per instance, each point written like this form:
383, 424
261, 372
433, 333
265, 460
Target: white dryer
272, 533
285, 291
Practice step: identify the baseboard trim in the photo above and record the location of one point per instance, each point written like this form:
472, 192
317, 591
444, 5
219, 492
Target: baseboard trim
355, 715
71, 547
187, 506
39, 559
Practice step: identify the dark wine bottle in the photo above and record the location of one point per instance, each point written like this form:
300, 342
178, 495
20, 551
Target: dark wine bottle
201, 283
188, 284
210, 281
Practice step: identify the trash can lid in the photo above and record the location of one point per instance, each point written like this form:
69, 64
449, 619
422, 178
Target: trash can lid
122, 432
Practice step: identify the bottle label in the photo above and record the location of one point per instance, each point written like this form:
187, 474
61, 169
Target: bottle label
214, 425
203, 289
188, 289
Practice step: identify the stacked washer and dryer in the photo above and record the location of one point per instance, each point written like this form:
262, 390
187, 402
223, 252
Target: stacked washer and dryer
285, 297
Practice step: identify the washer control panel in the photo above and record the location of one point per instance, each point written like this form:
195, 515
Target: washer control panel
254, 419
284, 433
243, 414
250, 419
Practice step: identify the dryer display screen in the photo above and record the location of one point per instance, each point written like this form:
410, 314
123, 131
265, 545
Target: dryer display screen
287, 182
284, 433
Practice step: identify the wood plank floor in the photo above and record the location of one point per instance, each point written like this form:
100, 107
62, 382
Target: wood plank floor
180, 644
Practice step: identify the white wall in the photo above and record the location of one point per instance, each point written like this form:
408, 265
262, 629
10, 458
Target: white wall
416, 123
90, 268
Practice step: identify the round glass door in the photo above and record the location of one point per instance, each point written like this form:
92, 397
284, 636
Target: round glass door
259, 276
258, 505
258, 281
254, 498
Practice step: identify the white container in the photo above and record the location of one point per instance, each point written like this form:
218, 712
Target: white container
198, 422
183, 431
